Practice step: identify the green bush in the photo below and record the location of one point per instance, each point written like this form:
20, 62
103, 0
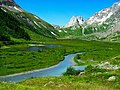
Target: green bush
93, 69
71, 71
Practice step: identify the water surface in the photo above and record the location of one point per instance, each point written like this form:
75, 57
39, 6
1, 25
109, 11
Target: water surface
56, 70
40, 47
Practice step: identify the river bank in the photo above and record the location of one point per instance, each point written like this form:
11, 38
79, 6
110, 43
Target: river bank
56, 70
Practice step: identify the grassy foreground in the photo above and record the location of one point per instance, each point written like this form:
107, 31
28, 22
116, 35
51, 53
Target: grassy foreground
86, 82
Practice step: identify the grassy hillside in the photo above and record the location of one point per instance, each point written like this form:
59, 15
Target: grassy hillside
35, 24
19, 27
69, 32
13, 24
10, 27
37, 37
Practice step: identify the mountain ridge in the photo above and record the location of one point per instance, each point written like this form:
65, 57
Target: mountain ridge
104, 14
26, 19
103, 25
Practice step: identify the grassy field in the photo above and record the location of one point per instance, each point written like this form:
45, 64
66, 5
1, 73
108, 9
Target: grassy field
99, 52
14, 59
14, 62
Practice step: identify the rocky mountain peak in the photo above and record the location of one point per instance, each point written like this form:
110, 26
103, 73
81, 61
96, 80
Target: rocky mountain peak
103, 15
116, 5
80, 20
74, 21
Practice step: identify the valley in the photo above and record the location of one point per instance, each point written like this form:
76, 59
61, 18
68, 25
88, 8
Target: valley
36, 55
94, 52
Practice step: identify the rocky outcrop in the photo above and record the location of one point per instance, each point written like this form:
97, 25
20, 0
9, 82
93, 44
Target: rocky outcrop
112, 78
11, 5
74, 21
105, 25
103, 15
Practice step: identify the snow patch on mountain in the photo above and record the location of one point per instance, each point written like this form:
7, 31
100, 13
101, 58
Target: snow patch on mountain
103, 15
17, 9
60, 31
36, 23
97, 19
36, 17
65, 31
53, 33
3, 9
118, 4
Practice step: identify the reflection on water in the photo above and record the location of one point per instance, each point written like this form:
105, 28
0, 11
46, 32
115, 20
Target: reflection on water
34, 47
53, 45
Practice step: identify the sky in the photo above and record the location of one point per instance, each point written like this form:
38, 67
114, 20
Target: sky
59, 12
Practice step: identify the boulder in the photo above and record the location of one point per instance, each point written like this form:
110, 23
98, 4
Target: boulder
112, 78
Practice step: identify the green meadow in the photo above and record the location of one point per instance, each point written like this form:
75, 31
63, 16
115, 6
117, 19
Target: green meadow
15, 59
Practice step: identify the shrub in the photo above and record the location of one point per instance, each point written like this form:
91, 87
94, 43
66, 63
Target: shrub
93, 69
71, 71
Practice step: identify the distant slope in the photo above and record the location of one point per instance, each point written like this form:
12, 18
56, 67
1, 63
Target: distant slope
74, 22
15, 20
101, 16
103, 25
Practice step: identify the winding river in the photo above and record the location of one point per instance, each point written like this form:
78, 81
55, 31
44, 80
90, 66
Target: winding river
56, 70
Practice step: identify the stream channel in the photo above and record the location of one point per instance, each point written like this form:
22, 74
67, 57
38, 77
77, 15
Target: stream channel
56, 70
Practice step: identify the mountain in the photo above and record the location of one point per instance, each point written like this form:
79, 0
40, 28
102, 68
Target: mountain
11, 5
72, 29
113, 30
103, 15
103, 25
74, 22
10, 27
16, 20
